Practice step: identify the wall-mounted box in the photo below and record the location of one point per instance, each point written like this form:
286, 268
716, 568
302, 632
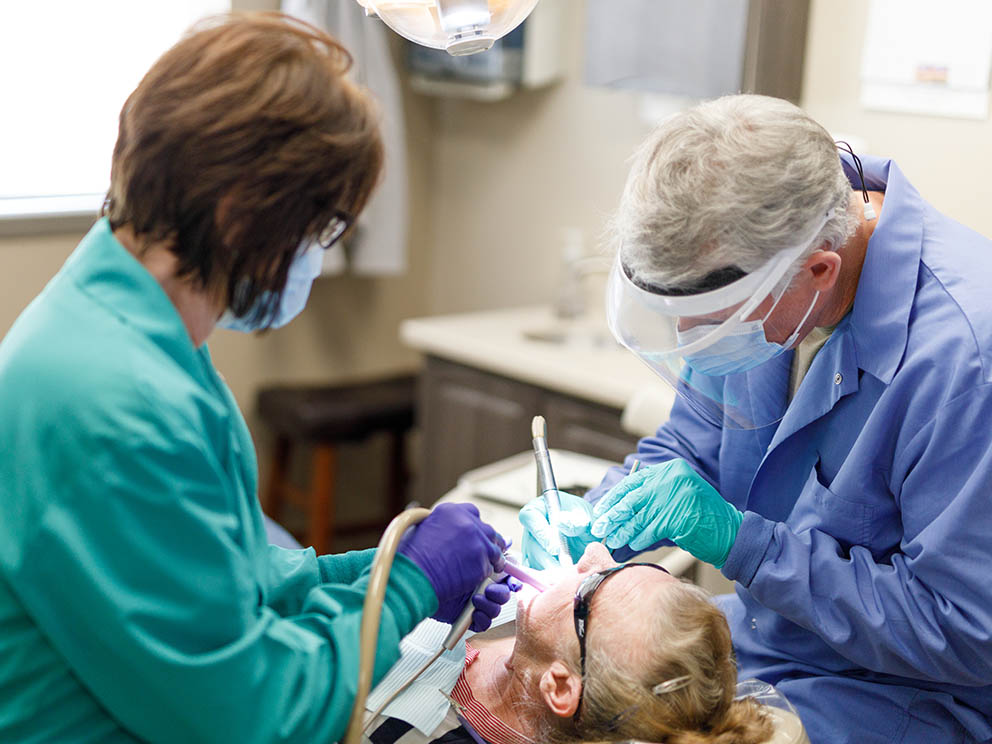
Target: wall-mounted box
698, 48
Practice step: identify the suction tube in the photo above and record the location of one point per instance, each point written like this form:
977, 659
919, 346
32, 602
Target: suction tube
372, 614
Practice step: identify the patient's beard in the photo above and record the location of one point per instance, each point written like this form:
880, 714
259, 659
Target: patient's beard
528, 661
528, 710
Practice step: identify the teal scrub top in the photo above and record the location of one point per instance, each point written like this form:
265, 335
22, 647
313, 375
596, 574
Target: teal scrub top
139, 599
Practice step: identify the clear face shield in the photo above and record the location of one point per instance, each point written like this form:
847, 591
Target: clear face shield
698, 342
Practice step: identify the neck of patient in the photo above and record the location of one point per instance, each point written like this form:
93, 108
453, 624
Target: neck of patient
501, 680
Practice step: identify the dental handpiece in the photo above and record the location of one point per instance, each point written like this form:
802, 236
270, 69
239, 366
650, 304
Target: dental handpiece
460, 626
511, 568
546, 483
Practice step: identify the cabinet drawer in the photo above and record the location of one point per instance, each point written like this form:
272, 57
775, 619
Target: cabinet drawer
589, 428
470, 418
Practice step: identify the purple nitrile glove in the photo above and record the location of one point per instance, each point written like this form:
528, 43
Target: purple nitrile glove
456, 550
490, 603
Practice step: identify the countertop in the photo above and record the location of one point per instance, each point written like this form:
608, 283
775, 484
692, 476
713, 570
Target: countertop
588, 364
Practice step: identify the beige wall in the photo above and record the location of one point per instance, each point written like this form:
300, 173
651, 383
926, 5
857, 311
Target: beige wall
509, 175
948, 160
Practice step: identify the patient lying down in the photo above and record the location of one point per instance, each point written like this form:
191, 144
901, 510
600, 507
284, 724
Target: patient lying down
658, 668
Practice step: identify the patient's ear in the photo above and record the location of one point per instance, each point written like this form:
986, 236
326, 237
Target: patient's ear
560, 689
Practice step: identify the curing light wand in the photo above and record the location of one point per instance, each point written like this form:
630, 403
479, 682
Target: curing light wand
514, 569
546, 484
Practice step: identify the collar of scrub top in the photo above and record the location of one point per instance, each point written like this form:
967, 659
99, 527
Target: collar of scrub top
114, 279
751, 289
879, 320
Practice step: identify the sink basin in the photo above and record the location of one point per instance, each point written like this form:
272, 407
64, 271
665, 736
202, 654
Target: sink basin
579, 336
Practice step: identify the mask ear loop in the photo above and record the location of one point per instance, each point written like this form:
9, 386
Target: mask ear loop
781, 293
795, 334
869, 210
775, 304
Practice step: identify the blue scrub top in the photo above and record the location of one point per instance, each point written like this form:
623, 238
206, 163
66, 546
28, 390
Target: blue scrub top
139, 599
862, 563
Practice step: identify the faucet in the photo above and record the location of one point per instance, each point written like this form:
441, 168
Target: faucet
570, 300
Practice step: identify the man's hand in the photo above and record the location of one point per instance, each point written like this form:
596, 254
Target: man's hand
668, 501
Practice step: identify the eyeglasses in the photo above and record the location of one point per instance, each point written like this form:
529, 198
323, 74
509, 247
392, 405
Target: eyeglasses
580, 613
337, 227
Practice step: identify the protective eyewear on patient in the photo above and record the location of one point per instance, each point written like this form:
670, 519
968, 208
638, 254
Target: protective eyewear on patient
580, 613
334, 229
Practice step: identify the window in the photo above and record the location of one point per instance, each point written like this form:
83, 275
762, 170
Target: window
67, 67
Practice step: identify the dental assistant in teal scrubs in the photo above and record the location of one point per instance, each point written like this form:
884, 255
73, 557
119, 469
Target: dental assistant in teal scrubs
139, 599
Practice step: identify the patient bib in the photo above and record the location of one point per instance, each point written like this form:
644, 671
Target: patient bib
422, 704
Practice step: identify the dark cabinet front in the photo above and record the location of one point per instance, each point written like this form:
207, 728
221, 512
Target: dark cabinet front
470, 418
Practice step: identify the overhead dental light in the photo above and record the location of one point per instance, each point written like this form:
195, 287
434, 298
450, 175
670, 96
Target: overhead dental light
458, 26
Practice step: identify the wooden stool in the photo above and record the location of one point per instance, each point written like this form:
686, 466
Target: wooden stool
324, 417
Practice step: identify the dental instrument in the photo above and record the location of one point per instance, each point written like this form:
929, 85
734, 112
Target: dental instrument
375, 595
514, 569
546, 483
461, 625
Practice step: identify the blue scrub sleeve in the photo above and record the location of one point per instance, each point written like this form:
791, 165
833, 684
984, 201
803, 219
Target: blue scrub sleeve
925, 612
142, 575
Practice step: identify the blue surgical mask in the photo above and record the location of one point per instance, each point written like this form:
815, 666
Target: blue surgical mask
746, 347
304, 269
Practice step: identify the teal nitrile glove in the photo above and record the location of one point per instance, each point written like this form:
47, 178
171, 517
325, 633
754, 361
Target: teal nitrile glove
540, 545
668, 501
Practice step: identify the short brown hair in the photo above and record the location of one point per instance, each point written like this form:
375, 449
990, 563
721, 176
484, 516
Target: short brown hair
241, 142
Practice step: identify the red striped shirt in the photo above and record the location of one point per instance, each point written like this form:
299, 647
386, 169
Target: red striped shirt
488, 726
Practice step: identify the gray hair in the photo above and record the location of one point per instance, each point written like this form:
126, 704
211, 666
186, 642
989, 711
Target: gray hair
628, 695
730, 183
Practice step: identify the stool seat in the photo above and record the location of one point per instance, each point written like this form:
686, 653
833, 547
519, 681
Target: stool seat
339, 413
321, 417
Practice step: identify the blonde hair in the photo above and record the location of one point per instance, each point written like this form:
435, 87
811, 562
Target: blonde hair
688, 641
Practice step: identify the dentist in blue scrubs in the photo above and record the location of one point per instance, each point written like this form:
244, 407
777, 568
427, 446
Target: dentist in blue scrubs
829, 334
